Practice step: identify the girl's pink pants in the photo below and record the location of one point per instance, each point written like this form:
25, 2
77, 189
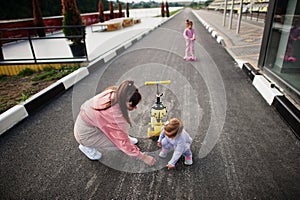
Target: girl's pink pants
189, 48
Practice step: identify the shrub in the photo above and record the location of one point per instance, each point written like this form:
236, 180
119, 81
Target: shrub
72, 18
26, 72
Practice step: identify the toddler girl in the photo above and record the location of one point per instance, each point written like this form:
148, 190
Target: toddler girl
174, 137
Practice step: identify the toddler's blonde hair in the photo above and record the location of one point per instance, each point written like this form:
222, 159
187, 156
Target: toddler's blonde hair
174, 125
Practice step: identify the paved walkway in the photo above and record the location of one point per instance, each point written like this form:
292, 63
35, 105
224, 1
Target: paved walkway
97, 43
246, 44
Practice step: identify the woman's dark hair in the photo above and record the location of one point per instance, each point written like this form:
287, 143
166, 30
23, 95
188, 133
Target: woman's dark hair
126, 92
135, 98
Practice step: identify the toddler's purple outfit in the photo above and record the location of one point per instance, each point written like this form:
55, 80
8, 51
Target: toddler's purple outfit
180, 144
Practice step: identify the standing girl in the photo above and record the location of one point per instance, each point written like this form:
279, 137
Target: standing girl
190, 37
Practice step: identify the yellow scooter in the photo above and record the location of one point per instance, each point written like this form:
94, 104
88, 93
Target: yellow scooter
158, 112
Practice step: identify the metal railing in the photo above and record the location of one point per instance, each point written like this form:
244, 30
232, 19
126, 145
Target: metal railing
32, 34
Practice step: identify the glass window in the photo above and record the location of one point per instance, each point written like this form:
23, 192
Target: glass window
283, 52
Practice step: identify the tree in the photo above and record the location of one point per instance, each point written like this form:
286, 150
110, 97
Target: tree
111, 9
120, 9
75, 33
167, 9
127, 9
162, 9
37, 18
206, 3
100, 10
72, 18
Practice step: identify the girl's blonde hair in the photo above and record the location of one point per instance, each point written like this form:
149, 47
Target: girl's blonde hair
174, 125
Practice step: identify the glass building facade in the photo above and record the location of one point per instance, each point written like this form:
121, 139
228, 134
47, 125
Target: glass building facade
280, 52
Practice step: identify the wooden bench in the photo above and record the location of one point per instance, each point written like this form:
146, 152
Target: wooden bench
115, 24
127, 22
136, 20
110, 25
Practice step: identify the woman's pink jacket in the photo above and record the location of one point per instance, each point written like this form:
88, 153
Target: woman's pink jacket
110, 121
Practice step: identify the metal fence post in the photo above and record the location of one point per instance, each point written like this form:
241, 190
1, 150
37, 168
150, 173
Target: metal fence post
84, 42
240, 17
1, 51
225, 12
231, 14
31, 46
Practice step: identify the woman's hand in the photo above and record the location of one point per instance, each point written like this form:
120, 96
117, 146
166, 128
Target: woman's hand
149, 160
170, 166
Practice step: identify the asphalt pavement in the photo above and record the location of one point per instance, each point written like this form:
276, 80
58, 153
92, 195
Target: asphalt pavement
242, 148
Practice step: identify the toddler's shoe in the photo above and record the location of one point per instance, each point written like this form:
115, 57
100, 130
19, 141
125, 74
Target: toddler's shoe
193, 58
163, 153
133, 140
188, 160
90, 152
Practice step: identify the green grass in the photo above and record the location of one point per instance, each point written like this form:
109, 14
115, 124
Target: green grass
47, 74
26, 94
3, 77
51, 73
170, 13
26, 72
174, 12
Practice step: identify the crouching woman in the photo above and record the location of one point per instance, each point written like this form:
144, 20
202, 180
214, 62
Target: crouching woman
101, 123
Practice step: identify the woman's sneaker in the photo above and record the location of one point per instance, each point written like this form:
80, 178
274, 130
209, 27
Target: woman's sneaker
188, 160
133, 140
163, 153
90, 152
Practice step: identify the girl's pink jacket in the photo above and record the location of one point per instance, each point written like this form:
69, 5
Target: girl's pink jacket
189, 34
110, 121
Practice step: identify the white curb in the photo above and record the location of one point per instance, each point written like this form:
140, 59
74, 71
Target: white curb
127, 45
264, 87
220, 39
108, 56
213, 34
240, 62
40, 93
74, 77
11, 117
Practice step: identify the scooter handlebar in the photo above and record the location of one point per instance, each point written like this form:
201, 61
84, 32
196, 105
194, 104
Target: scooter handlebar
157, 82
